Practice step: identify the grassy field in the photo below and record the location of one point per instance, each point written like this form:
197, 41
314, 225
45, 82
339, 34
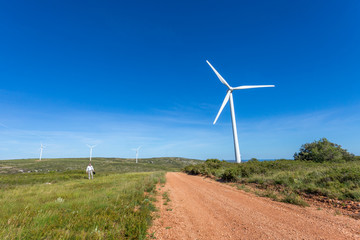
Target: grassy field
288, 178
101, 165
53, 199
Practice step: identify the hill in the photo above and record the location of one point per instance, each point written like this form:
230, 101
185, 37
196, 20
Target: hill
101, 165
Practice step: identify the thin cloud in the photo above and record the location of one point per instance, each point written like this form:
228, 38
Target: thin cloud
181, 135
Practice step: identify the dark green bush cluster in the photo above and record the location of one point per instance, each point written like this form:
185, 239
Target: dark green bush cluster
323, 151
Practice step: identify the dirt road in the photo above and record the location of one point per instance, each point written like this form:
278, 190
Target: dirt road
201, 208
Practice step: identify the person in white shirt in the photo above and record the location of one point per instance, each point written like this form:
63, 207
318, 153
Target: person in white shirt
90, 170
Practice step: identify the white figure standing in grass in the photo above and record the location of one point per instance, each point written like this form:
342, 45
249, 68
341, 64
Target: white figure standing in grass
90, 170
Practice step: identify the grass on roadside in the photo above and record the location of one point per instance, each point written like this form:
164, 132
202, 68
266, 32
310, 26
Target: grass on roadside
165, 196
289, 178
69, 206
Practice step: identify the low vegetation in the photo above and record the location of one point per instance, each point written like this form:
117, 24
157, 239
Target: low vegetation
323, 151
101, 165
334, 180
108, 207
166, 198
331, 176
53, 199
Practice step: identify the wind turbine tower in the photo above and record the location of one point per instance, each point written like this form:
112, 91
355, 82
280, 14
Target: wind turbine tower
91, 148
228, 97
137, 153
41, 150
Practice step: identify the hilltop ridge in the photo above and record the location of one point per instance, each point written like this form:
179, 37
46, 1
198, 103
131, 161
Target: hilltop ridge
101, 164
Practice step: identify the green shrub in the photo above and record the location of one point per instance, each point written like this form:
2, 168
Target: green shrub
322, 151
212, 160
231, 175
213, 163
332, 179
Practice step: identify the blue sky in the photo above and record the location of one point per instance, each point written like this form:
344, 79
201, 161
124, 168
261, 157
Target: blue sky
124, 74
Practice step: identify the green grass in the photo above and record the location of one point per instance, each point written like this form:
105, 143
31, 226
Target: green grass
335, 180
268, 193
53, 199
294, 198
101, 165
108, 207
165, 196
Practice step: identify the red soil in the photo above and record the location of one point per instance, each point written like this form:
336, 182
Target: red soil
202, 208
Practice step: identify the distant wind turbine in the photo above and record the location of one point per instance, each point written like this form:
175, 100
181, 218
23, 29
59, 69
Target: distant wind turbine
41, 150
230, 96
91, 148
137, 153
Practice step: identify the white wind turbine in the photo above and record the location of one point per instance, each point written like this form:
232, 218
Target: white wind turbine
41, 150
137, 153
91, 148
230, 96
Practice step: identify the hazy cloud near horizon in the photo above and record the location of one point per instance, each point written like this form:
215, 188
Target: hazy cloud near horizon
170, 134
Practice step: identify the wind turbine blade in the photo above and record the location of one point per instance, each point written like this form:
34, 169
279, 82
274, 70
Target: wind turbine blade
253, 86
226, 99
218, 75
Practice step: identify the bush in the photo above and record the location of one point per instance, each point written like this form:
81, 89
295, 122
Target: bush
231, 175
213, 160
339, 180
323, 151
213, 163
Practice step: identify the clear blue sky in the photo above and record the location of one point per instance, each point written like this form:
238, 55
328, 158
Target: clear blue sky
122, 74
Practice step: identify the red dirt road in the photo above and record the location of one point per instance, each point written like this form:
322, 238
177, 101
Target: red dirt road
201, 208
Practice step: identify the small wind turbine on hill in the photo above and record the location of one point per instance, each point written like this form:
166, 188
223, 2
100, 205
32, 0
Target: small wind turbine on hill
230, 96
137, 153
41, 150
91, 148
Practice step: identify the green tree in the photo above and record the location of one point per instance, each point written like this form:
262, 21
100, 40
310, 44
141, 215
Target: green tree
323, 151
